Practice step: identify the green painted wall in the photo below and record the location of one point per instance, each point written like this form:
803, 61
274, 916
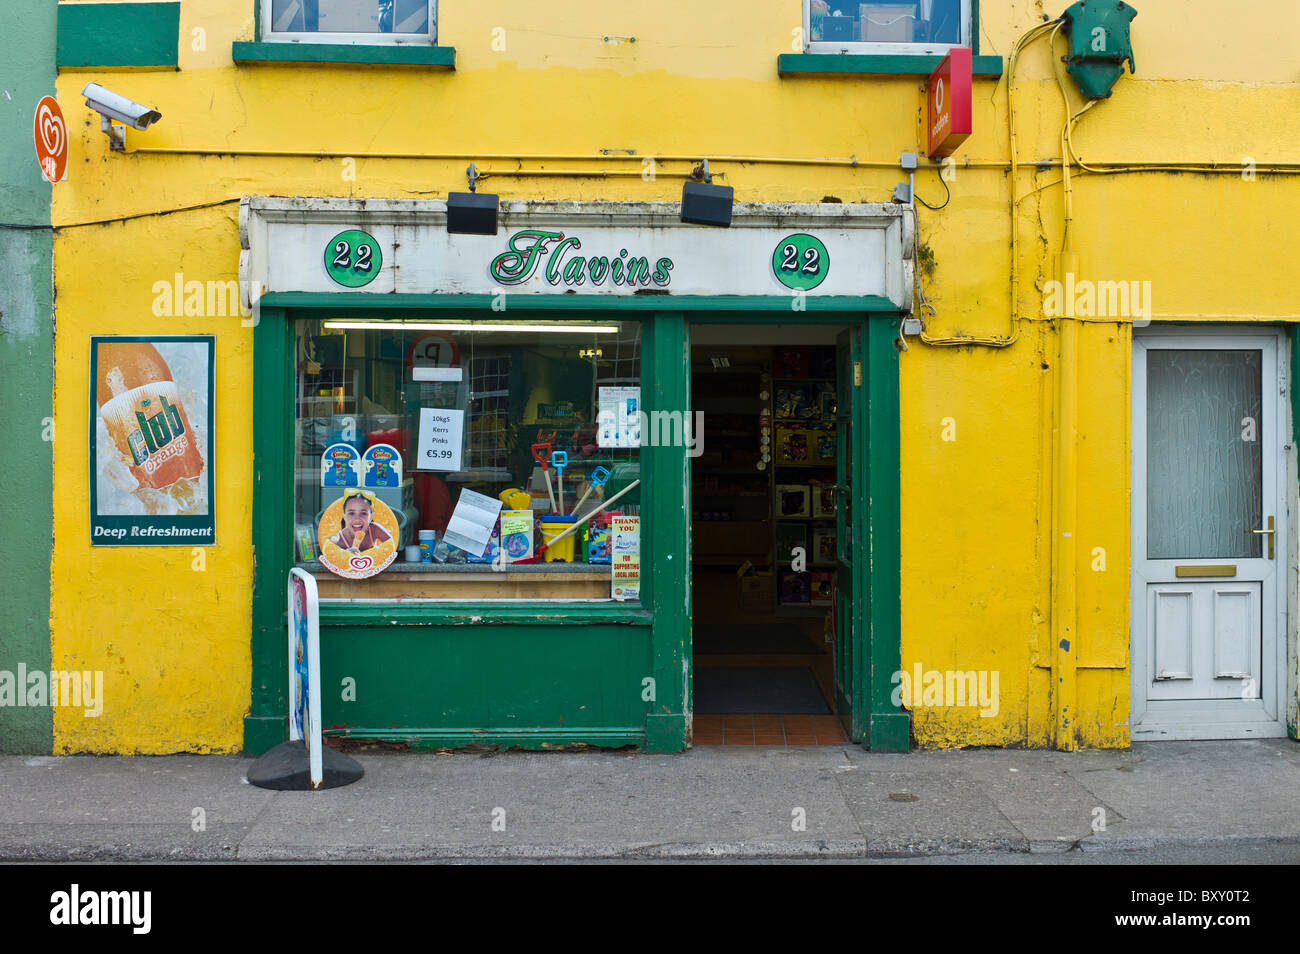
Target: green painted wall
26, 362
130, 35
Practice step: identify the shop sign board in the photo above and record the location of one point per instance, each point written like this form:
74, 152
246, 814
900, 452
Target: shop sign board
948, 92
304, 669
578, 248
151, 412
50, 133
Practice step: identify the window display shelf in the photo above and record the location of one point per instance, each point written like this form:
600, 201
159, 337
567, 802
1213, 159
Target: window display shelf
404, 569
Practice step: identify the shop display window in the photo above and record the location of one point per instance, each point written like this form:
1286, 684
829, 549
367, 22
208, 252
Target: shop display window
433, 452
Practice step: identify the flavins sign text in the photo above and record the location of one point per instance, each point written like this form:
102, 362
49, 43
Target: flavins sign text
528, 247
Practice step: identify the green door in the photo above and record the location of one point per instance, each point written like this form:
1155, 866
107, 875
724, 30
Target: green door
848, 519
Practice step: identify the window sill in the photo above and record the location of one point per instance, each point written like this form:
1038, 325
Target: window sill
438, 57
583, 571
871, 64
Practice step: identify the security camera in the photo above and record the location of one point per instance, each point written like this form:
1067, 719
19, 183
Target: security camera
112, 106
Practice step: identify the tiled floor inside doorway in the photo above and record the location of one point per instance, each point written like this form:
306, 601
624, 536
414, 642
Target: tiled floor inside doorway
769, 730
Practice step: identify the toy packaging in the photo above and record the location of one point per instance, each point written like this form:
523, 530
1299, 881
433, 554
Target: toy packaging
598, 529
790, 362
793, 587
822, 588
517, 535
493, 548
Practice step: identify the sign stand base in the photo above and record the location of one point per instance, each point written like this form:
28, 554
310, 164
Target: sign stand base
285, 769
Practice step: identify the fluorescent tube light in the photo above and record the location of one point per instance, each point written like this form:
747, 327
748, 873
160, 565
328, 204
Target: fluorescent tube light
540, 327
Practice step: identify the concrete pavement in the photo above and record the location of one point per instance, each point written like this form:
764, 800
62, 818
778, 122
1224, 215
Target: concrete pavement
739, 802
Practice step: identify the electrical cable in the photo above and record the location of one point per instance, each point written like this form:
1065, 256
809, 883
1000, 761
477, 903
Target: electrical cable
947, 196
122, 218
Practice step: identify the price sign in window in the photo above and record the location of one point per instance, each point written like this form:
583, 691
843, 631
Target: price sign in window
442, 431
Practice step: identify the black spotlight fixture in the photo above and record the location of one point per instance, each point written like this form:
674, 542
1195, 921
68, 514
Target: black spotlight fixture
704, 203
472, 213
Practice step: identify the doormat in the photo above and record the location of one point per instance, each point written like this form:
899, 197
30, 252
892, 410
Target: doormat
789, 690
736, 639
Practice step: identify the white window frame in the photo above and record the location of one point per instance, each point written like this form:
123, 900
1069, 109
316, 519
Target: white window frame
897, 49
270, 35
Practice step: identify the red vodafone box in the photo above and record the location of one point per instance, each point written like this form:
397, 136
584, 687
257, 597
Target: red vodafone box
948, 91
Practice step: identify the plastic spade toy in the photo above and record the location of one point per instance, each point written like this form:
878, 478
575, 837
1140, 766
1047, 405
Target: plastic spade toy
573, 528
560, 460
597, 478
542, 454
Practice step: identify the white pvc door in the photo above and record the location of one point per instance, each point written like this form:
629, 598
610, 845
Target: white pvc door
1208, 535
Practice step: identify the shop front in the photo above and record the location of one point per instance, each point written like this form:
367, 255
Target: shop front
516, 463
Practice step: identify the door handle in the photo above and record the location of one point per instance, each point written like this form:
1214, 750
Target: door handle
1272, 535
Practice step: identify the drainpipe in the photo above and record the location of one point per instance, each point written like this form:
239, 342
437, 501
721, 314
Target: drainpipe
1065, 607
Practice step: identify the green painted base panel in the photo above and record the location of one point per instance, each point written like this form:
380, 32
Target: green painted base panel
665, 732
263, 733
890, 732
546, 737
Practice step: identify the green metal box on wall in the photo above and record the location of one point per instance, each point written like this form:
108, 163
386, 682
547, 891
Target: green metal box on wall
1098, 31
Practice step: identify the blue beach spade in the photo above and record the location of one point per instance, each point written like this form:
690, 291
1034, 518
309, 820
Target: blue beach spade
597, 478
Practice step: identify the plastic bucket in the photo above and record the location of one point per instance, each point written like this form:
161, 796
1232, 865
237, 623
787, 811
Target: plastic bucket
552, 526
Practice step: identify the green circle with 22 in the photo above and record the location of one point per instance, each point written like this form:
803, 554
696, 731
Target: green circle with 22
801, 261
352, 258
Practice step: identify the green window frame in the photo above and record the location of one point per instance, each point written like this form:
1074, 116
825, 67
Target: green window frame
324, 48
881, 58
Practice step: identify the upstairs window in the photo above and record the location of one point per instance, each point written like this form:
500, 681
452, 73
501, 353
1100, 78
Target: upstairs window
909, 27
350, 21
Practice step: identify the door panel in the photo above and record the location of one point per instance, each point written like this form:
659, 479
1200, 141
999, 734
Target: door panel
1236, 633
1208, 523
1205, 640
1171, 634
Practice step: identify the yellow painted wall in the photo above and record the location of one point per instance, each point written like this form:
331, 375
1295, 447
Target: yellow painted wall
700, 80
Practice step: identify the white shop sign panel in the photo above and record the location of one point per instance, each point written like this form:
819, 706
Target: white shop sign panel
385, 247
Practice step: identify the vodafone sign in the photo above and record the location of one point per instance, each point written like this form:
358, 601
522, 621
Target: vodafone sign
50, 134
948, 118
